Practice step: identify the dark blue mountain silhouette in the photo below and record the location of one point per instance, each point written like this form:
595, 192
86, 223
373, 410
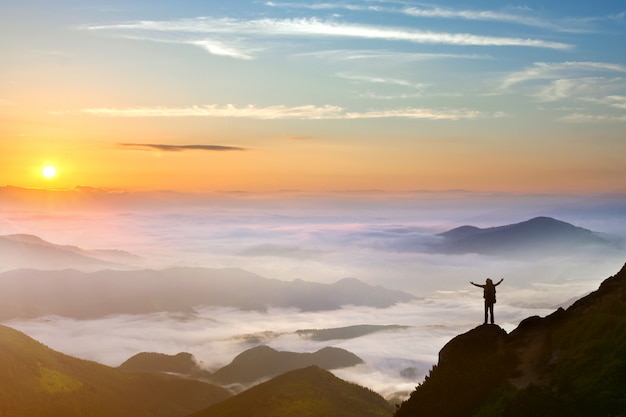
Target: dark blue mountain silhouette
537, 236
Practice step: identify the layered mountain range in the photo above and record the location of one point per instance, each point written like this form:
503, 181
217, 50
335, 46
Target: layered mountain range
569, 363
28, 293
249, 367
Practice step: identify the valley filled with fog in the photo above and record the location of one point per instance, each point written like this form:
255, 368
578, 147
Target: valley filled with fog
380, 239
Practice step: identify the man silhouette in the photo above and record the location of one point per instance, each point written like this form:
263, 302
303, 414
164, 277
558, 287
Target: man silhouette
489, 294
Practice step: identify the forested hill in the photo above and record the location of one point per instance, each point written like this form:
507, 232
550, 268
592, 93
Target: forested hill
39, 382
306, 392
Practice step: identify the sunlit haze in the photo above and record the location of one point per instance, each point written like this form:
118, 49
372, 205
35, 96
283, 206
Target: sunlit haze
251, 95
316, 141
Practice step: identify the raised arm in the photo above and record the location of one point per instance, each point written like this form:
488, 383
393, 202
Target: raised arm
478, 285
499, 282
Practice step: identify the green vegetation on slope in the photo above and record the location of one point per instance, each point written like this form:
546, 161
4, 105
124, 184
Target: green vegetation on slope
38, 382
306, 392
571, 363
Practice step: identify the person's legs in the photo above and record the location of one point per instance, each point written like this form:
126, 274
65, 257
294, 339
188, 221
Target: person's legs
486, 311
491, 313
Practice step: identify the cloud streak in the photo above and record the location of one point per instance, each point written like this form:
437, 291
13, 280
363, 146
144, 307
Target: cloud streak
522, 17
280, 112
179, 148
387, 55
555, 70
489, 15
218, 29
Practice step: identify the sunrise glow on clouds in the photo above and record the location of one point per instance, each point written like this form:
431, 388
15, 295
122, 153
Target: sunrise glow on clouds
356, 78
314, 140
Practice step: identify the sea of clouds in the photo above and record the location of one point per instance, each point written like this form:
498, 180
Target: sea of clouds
379, 238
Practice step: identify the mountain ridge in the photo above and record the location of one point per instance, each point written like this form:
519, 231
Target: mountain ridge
539, 236
31, 251
569, 363
38, 381
305, 392
33, 293
263, 362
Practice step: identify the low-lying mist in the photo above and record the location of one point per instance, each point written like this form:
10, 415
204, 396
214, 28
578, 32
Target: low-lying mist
216, 335
379, 238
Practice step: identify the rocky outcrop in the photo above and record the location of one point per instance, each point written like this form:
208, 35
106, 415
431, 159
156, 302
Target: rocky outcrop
572, 362
470, 366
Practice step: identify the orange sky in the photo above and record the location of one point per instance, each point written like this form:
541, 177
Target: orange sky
114, 102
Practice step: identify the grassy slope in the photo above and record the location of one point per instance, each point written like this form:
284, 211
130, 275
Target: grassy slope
307, 392
37, 381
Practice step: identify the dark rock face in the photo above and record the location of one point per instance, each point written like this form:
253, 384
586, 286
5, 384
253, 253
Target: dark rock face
570, 363
481, 343
470, 366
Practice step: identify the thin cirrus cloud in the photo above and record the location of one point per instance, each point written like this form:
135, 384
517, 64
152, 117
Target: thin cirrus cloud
381, 80
600, 83
307, 112
555, 70
179, 148
201, 27
397, 56
490, 15
522, 17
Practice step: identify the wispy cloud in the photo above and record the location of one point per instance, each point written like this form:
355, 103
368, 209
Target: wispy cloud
587, 82
179, 148
383, 80
307, 112
324, 6
618, 102
586, 118
386, 55
197, 29
554, 70
578, 87
490, 15
520, 16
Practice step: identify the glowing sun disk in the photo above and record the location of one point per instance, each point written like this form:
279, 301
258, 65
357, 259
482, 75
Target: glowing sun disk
49, 171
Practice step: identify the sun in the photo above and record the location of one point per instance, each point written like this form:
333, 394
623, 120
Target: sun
49, 171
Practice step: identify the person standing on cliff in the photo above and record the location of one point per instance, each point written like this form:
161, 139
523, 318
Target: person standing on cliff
489, 294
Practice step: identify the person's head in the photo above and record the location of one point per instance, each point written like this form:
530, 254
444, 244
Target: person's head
489, 281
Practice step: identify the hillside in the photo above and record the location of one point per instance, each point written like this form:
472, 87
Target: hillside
348, 332
540, 236
263, 362
38, 382
182, 363
29, 251
570, 363
306, 392
31, 293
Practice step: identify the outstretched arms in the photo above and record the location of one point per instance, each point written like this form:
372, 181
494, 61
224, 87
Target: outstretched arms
499, 282
478, 285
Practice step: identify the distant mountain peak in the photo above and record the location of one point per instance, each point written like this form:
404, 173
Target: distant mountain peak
26, 238
264, 362
307, 391
30, 251
539, 236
